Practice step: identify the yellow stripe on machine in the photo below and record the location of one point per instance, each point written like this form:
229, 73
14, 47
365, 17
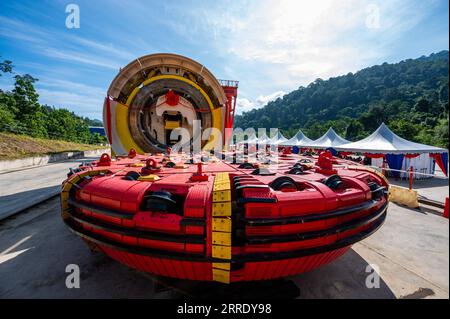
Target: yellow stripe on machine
221, 209
221, 275
221, 196
223, 266
65, 192
222, 224
221, 227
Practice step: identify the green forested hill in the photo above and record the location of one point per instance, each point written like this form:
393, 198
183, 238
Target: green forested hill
410, 96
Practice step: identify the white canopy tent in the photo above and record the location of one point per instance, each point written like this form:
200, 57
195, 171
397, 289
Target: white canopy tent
329, 139
263, 139
384, 141
277, 139
298, 139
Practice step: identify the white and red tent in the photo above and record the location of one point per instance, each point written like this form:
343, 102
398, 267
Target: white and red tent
383, 145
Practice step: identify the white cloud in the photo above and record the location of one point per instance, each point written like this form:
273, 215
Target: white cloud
244, 104
88, 59
64, 45
291, 43
77, 97
76, 102
264, 99
106, 48
302, 41
18, 30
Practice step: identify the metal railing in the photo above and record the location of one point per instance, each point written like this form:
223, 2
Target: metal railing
230, 83
411, 173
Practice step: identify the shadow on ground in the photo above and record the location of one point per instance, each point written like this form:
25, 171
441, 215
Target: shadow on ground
343, 278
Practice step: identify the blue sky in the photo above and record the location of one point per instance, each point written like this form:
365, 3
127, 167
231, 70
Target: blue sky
270, 46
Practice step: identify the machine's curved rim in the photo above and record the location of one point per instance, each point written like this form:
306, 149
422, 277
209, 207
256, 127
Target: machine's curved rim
150, 60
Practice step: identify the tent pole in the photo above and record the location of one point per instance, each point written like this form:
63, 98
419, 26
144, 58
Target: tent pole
410, 178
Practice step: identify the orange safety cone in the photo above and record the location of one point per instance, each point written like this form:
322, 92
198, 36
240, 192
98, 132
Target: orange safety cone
446, 208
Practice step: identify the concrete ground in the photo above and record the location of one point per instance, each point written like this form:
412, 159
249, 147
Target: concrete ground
20, 189
411, 252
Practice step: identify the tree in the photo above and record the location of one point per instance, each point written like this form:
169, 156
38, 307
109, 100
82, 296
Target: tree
374, 117
25, 95
354, 130
422, 105
6, 67
6, 117
441, 135
7, 102
97, 139
404, 128
29, 112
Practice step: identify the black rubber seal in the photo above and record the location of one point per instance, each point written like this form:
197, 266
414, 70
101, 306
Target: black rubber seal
309, 217
352, 224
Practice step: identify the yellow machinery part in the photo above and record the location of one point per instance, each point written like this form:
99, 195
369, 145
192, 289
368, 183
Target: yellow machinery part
137, 165
221, 238
123, 130
221, 275
221, 196
223, 266
221, 209
222, 252
170, 125
221, 224
149, 178
221, 227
